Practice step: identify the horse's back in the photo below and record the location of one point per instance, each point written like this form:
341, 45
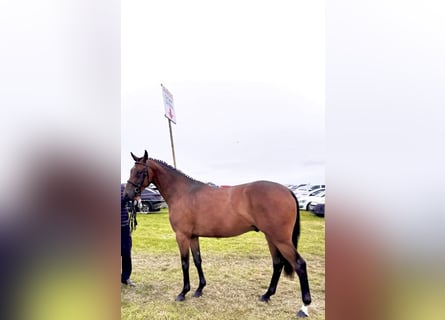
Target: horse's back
261, 191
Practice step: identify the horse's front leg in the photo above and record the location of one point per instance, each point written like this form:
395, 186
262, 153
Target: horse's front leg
184, 249
194, 245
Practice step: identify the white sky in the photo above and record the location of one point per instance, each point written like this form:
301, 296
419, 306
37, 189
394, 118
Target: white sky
248, 82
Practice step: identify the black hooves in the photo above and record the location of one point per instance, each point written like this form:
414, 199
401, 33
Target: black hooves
301, 314
264, 298
180, 297
197, 294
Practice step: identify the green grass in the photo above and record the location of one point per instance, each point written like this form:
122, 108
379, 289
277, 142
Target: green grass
237, 270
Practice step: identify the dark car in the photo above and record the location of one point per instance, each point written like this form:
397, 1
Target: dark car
317, 209
151, 200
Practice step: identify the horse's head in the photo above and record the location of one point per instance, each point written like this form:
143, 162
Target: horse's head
139, 178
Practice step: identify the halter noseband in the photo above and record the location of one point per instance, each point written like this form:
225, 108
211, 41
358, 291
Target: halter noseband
137, 189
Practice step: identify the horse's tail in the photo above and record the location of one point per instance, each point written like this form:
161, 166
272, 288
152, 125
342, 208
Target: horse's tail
296, 231
288, 268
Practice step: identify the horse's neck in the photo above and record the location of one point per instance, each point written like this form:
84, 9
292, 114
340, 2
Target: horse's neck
167, 182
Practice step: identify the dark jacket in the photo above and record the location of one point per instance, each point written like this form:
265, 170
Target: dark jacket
124, 210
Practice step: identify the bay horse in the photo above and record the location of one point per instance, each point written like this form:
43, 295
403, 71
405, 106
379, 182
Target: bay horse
199, 210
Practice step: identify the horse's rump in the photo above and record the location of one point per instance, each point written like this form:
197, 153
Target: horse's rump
272, 207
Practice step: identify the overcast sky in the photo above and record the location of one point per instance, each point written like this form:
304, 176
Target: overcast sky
248, 83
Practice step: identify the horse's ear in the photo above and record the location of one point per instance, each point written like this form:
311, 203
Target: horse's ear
145, 155
134, 157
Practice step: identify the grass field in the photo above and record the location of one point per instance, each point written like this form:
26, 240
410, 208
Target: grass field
237, 270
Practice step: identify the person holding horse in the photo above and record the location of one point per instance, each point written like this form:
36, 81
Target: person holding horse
126, 242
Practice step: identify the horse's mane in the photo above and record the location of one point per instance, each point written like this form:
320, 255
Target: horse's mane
166, 165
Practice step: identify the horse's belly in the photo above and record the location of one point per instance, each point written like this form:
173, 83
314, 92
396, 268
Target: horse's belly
222, 229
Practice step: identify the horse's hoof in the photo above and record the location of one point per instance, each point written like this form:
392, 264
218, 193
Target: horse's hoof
264, 298
180, 297
197, 294
303, 312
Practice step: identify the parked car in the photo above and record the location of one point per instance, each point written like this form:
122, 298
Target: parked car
317, 207
306, 189
151, 201
211, 184
293, 187
305, 200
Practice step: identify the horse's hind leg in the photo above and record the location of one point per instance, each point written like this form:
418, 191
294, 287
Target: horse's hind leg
278, 264
194, 245
304, 285
292, 256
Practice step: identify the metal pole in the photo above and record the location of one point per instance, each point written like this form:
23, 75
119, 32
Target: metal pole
171, 140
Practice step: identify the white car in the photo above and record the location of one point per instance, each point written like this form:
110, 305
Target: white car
293, 187
308, 188
315, 196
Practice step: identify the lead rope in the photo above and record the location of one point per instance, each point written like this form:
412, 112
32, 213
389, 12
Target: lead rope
132, 218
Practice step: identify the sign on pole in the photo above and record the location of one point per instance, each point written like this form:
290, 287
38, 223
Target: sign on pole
168, 104
170, 115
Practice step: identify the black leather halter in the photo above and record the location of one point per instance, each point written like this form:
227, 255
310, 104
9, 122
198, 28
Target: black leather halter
137, 187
